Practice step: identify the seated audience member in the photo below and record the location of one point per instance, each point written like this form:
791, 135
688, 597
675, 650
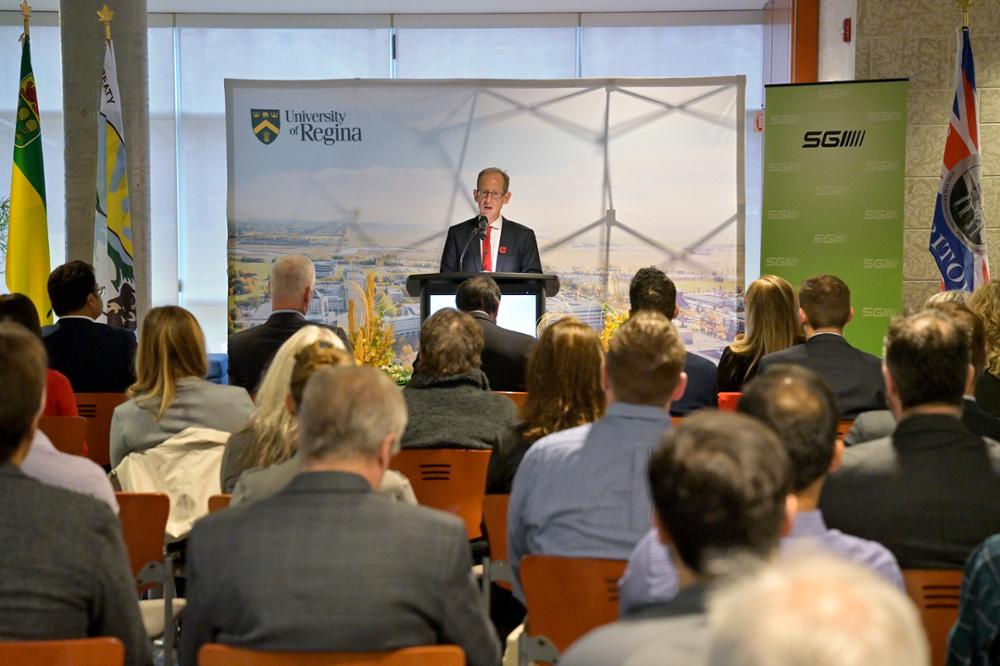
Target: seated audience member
171, 393
269, 437
94, 357
256, 484
326, 564
59, 397
985, 302
855, 376
771, 314
293, 281
581, 492
796, 404
564, 391
815, 610
931, 491
880, 423
66, 574
505, 352
720, 486
449, 399
651, 289
975, 638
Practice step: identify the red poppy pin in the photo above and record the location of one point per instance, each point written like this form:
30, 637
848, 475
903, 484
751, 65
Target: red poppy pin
503, 249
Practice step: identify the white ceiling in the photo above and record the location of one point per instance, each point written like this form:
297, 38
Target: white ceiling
416, 6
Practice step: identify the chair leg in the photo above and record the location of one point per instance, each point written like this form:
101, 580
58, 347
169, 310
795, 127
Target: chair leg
169, 625
485, 583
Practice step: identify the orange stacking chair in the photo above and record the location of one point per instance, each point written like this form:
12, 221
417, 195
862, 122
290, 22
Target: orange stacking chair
452, 480
214, 654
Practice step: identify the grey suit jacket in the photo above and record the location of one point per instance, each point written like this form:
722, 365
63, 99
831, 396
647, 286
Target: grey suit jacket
854, 376
930, 493
327, 564
197, 403
63, 569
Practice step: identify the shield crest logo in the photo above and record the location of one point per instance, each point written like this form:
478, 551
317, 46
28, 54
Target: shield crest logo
266, 124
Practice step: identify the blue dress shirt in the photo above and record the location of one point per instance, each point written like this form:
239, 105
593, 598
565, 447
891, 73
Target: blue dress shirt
583, 492
651, 577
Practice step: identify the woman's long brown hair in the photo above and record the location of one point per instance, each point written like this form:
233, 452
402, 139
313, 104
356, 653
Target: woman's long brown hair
564, 380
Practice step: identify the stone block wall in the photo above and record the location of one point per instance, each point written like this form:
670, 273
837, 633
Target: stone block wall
917, 39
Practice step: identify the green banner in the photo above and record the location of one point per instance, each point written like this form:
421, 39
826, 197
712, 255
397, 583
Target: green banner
834, 163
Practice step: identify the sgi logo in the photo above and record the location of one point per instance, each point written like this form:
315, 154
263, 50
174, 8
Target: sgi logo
833, 139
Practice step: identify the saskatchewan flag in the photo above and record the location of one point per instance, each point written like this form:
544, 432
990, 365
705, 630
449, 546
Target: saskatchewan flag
113, 252
28, 234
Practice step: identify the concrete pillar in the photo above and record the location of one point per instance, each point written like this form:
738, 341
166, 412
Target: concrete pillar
82, 40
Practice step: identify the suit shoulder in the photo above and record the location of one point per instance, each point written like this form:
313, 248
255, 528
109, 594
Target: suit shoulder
700, 363
72, 510
865, 454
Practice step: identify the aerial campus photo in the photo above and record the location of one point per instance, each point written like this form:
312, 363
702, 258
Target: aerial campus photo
346, 254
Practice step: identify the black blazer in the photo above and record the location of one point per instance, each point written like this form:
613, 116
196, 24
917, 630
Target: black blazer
518, 251
930, 493
701, 387
854, 376
250, 351
505, 354
95, 357
880, 423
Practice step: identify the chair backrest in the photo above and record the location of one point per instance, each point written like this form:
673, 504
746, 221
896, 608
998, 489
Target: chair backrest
102, 651
219, 502
214, 654
144, 520
68, 433
936, 594
97, 408
452, 480
568, 596
844, 427
517, 397
729, 400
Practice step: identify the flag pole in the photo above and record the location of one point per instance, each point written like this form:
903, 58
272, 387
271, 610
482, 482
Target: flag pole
105, 16
26, 16
965, 6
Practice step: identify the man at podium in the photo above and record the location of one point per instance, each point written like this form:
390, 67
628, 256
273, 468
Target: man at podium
489, 242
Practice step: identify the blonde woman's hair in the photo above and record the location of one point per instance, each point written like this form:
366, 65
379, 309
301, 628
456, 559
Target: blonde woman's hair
171, 347
985, 302
273, 427
772, 319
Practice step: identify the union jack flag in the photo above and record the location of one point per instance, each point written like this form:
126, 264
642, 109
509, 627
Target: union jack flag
958, 234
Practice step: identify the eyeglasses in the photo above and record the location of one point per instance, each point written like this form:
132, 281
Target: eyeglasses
99, 291
489, 195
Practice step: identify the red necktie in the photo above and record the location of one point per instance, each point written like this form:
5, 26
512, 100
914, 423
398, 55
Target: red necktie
487, 259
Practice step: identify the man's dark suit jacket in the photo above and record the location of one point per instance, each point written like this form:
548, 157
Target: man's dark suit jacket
328, 565
930, 493
505, 354
881, 423
65, 573
95, 357
518, 251
854, 376
250, 351
701, 387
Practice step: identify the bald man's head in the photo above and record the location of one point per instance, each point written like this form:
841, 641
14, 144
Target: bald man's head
292, 280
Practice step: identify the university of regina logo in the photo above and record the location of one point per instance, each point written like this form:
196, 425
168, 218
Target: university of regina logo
266, 124
962, 203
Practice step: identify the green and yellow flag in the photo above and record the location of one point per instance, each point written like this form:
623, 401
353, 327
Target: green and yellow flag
113, 252
28, 235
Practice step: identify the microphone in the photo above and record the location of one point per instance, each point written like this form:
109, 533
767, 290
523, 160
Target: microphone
480, 232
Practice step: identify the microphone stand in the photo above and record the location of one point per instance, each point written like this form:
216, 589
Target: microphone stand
480, 232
